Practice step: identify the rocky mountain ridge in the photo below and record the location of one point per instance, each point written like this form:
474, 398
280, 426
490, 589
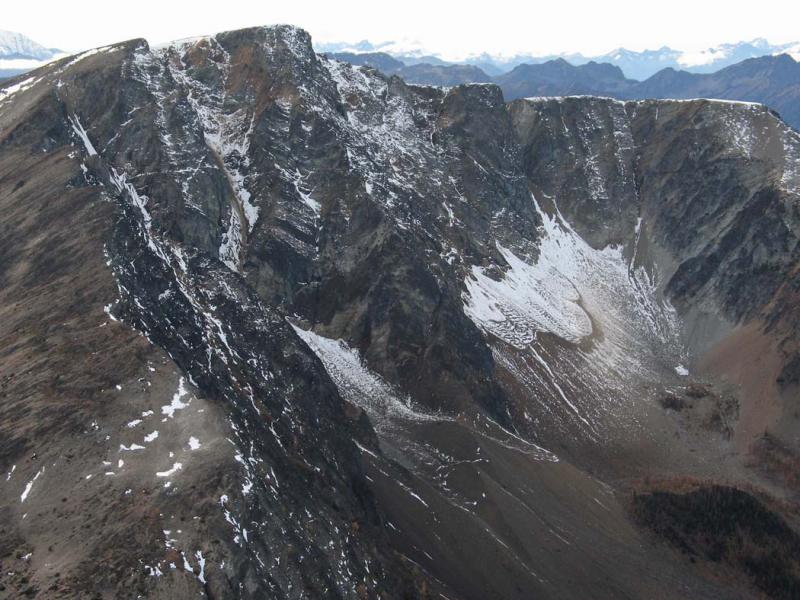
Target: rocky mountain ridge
385, 340
770, 80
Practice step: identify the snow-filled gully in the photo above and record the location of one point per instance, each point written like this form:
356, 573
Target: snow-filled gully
357, 384
227, 138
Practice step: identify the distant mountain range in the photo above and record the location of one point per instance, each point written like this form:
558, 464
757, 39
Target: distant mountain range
635, 65
770, 80
19, 53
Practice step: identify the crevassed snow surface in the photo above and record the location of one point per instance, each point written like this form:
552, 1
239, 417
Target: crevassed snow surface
629, 334
528, 298
571, 290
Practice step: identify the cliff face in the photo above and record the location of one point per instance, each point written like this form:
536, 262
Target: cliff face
279, 326
703, 192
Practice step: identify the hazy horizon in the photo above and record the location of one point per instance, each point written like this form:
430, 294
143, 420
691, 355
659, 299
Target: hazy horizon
447, 29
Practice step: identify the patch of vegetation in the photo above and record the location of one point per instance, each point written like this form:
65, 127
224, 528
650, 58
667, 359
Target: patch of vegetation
672, 402
777, 460
728, 526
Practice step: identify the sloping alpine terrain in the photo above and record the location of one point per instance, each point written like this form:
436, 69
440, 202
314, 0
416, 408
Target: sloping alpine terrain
274, 326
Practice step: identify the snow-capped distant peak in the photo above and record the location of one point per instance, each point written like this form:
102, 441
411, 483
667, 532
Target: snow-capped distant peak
17, 46
19, 54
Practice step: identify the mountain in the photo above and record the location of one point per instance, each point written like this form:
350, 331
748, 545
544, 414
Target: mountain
559, 78
407, 53
442, 75
637, 65
16, 45
277, 326
770, 80
19, 54
417, 72
377, 60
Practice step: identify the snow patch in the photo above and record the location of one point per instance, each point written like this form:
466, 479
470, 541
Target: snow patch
131, 448
527, 298
29, 486
177, 402
23, 85
175, 468
81, 133
570, 286
357, 384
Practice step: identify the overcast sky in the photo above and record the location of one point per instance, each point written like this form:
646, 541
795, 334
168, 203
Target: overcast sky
447, 27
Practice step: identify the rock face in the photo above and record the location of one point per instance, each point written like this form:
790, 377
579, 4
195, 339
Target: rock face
677, 166
278, 326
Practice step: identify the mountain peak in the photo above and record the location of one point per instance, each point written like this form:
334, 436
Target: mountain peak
275, 37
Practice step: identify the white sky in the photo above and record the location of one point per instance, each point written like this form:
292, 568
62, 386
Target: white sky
451, 28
